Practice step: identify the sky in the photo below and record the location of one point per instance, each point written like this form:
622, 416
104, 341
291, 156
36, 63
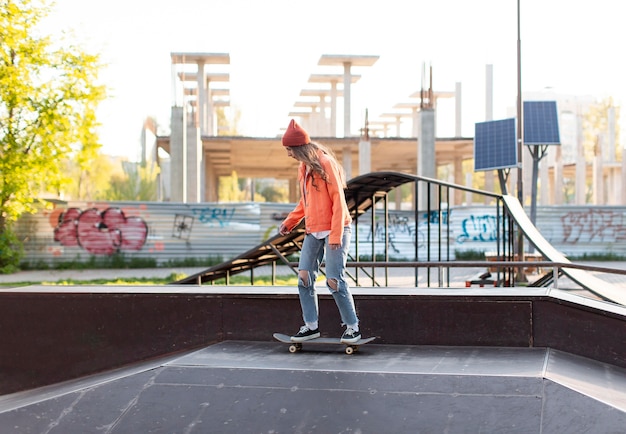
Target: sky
567, 46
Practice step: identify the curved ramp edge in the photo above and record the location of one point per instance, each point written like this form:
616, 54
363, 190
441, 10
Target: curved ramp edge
585, 279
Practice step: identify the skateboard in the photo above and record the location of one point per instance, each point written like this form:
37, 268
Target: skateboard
294, 347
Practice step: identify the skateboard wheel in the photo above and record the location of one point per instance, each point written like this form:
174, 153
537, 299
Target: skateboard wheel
293, 348
350, 350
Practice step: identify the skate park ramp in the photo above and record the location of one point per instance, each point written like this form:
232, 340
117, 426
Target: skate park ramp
259, 387
362, 193
586, 280
238, 380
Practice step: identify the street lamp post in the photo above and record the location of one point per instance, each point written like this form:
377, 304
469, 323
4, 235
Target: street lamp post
520, 143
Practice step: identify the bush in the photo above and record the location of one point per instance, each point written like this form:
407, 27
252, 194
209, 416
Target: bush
11, 251
469, 255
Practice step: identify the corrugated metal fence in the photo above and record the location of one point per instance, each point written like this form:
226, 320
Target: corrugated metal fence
166, 231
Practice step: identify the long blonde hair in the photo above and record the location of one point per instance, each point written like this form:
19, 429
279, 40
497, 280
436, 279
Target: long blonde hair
308, 155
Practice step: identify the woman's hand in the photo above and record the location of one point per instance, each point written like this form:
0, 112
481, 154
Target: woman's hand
334, 246
283, 229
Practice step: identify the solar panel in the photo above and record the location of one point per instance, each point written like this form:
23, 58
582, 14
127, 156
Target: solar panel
541, 126
495, 145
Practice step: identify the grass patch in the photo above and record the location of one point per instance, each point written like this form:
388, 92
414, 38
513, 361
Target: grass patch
238, 280
469, 255
119, 261
597, 257
290, 280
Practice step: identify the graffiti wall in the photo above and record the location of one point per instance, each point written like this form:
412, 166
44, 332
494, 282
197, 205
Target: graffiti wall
162, 231
170, 231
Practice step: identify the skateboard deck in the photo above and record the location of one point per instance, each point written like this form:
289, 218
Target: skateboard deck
297, 346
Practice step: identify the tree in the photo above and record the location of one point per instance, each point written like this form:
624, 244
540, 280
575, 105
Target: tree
48, 100
92, 182
230, 190
139, 182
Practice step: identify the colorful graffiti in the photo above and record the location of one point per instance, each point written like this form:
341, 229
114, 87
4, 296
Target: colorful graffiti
478, 228
182, 226
212, 216
100, 233
166, 231
593, 225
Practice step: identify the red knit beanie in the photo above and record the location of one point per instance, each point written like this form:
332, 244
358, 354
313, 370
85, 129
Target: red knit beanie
295, 135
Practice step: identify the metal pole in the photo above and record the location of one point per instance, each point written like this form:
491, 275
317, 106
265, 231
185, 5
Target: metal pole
520, 123
520, 142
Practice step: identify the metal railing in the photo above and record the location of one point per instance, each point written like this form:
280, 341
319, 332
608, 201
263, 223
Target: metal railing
432, 199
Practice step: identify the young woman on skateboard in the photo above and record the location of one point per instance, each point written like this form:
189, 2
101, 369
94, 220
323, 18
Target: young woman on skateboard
323, 207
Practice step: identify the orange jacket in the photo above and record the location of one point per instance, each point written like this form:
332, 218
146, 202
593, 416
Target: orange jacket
323, 207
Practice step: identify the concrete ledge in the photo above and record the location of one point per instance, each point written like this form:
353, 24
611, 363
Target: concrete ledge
52, 334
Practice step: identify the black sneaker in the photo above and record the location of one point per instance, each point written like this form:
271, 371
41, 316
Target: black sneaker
350, 336
305, 334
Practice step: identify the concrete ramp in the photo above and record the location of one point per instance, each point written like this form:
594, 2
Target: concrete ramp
258, 387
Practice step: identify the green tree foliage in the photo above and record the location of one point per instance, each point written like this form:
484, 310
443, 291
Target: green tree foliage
139, 182
230, 190
597, 132
275, 193
91, 182
48, 100
11, 251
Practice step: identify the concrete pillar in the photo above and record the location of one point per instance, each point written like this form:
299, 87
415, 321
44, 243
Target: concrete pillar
597, 178
347, 95
294, 193
211, 183
415, 116
365, 157
458, 113
333, 109
210, 118
426, 163
597, 181
399, 124
612, 187
165, 180
580, 184
194, 165
544, 181
347, 161
202, 98
581, 181
457, 198
527, 169
558, 187
468, 183
623, 178
178, 156
316, 115
489, 92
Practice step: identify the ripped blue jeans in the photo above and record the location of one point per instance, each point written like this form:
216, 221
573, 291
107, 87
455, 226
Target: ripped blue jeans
311, 256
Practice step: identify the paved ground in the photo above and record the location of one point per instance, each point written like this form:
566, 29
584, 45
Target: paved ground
398, 276
39, 276
259, 387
